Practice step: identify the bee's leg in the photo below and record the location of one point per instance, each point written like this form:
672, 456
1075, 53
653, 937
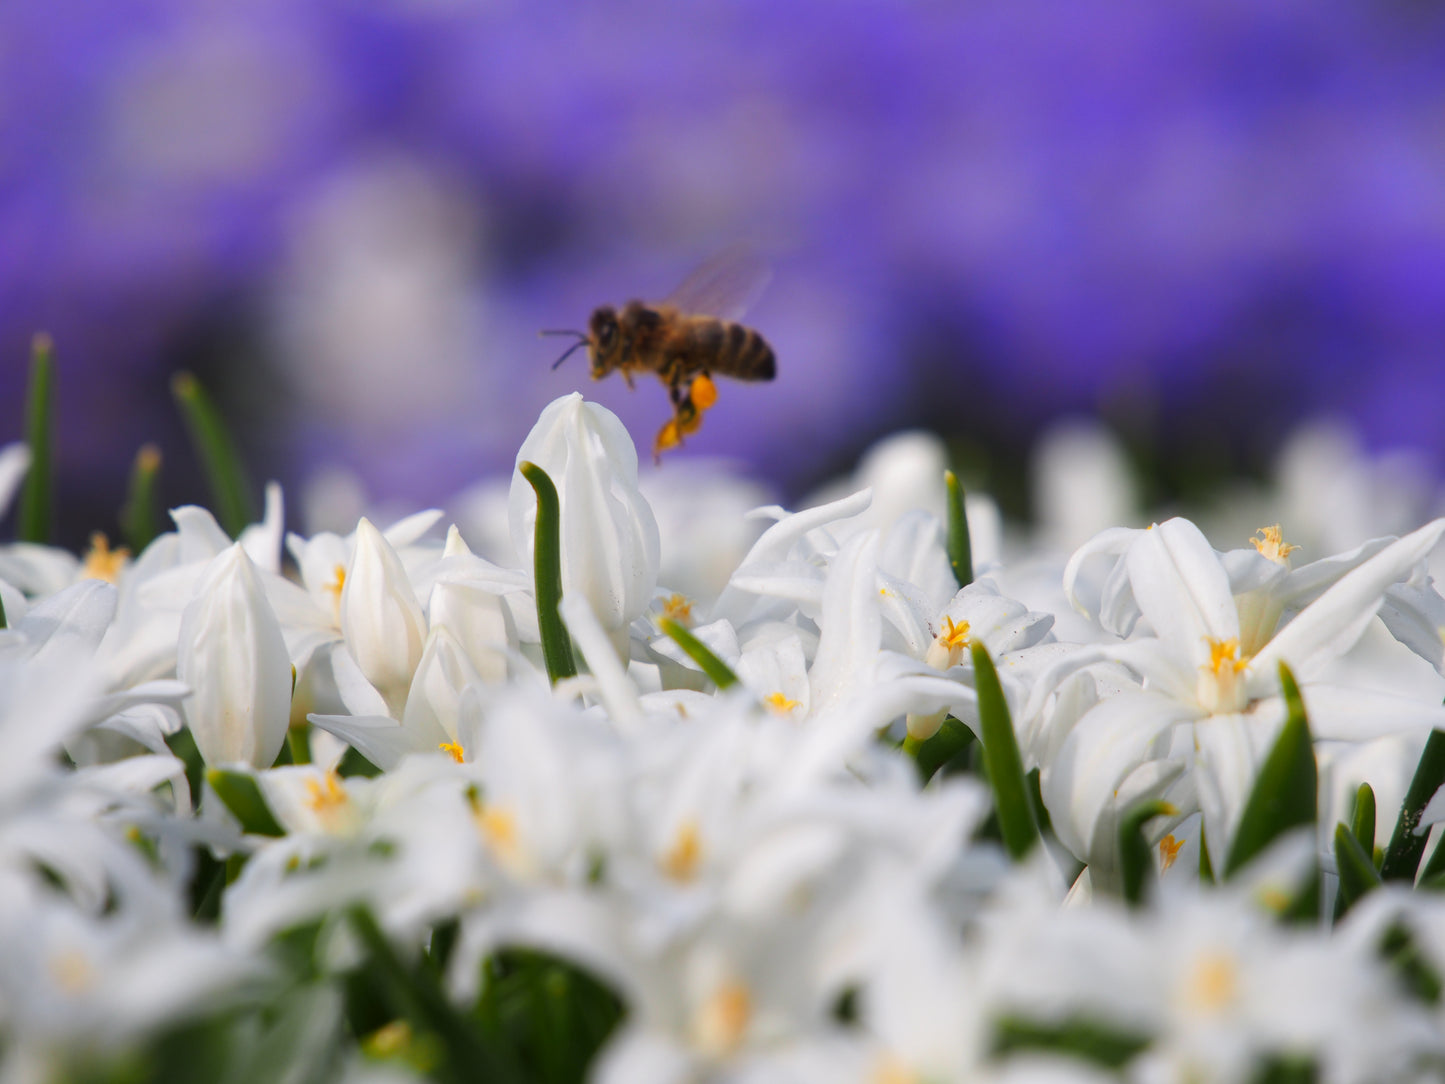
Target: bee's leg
627, 376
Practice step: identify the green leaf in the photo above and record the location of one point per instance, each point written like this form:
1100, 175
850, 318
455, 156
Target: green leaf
1402, 856
4, 623
1136, 856
230, 491
721, 674
960, 548
36, 517
1089, 1040
1284, 794
1002, 760
547, 574
242, 796
1362, 824
138, 517
414, 993
1358, 875
934, 754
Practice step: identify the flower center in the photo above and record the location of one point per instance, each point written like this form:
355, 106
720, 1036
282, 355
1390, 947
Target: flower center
102, 562
780, 703
1213, 983
334, 589
1169, 849
327, 798
678, 608
685, 855
949, 645
453, 749
72, 972
722, 1021
1270, 543
1220, 688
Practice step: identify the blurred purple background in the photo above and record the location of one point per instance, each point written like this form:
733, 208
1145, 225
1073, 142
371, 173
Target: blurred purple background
1203, 220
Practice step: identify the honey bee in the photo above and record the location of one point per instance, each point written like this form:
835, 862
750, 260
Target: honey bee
685, 339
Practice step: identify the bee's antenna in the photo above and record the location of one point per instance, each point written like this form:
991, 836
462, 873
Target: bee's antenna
581, 342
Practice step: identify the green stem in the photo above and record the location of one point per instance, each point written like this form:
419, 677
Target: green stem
217, 451
698, 652
547, 574
37, 496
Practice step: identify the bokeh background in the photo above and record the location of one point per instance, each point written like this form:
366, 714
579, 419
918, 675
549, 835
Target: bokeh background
1202, 221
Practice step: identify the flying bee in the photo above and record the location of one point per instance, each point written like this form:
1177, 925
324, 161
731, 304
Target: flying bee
685, 339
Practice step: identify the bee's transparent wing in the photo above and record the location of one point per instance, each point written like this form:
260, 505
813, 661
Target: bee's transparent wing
725, 286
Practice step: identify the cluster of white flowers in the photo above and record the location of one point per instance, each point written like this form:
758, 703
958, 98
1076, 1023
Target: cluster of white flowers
750, 833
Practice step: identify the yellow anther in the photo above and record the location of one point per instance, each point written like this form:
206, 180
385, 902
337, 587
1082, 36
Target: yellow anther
334, 589
703, 392
678, 608
722, 1021
780, 703
72, 971
325, 793
889, 1070
454, 748
1274, 899
685, 855
499, 828
954, 636
1270, 543
1225, 653
1169, 849
389, 1041
102, 562
1213, 983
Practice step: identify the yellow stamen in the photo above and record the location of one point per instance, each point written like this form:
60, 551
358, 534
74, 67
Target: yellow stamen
685, 855
499, 828
72, 971
722, 1021
1213, 983
678, 608
889, 1070
703, 392
948, 646
389, 1041
454, 748
1220, 689
1270, 543
102, 562
1275, 899
1225, 653
1169, 849
327, 798
780, 703
954, 636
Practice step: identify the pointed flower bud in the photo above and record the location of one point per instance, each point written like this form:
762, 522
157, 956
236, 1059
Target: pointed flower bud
381, 620
609, 537
233, 657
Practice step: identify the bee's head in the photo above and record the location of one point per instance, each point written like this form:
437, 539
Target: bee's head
604, 341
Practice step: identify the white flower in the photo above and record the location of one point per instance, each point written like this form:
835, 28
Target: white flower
609, 539
233, 657
381, 619
1210, 707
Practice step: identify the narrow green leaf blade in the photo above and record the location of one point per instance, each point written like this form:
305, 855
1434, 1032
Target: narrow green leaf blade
230, 491
1284, 794
547, 574
243, 798
1358, 875
960, 548
1002, 759
1136, 857
36, 517
721, 674
1362, 824
139, 516
1402, 856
